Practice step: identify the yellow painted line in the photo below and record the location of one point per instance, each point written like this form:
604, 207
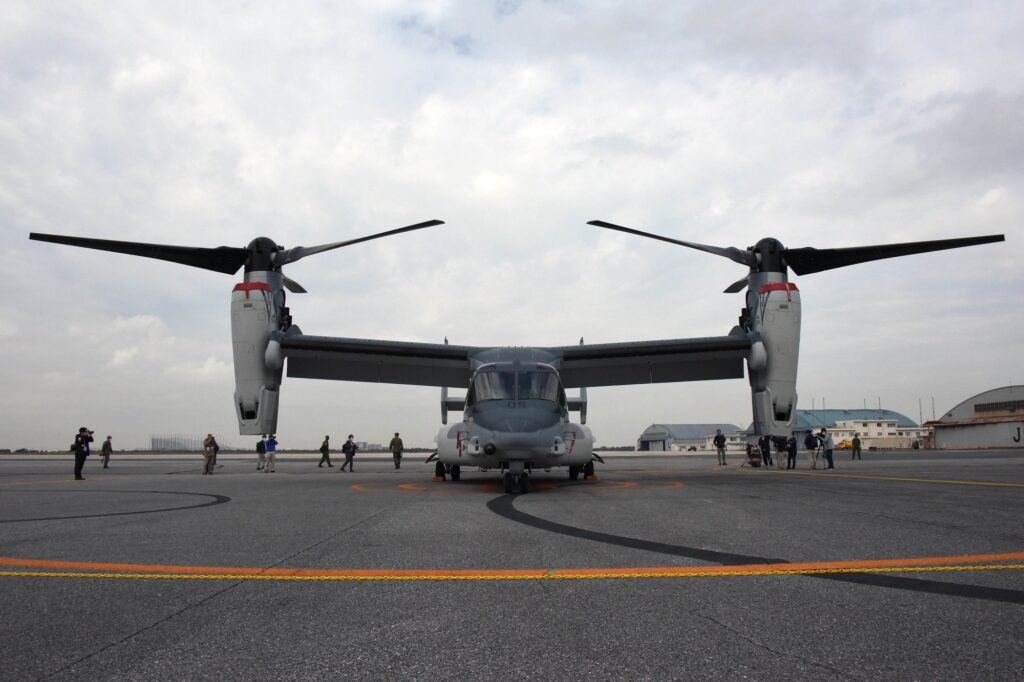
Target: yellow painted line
498, 575
77, 569
905, 479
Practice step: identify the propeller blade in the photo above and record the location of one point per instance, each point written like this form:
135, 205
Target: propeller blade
224, 259
294, 254
732, 253
293, 286
808, 260
737, 286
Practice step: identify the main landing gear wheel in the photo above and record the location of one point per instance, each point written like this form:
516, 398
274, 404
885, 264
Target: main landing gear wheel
588, 471
574, 472
439, 472
456, 472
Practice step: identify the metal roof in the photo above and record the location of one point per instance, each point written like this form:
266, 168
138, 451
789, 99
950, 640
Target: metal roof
966, 409
685, 432
807, 420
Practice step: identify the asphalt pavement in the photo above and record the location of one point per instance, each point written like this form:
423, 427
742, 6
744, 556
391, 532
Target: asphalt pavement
903, 566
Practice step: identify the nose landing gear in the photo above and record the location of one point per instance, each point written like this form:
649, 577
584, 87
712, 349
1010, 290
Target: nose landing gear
517, 483
454, 470
517, 480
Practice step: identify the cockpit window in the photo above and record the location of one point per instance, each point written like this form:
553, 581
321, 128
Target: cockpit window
494, 385
538, 386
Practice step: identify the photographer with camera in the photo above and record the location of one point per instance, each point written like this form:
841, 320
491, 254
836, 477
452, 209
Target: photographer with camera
813, 447
827, 444
81, 446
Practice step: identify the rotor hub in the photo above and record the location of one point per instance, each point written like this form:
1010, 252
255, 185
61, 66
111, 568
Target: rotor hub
261, 254
770, 255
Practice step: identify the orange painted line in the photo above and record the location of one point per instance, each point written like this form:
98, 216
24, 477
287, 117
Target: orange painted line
358, 486
509, 573
236, 570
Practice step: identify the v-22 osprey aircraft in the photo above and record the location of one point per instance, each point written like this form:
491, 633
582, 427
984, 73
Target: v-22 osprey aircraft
515, 411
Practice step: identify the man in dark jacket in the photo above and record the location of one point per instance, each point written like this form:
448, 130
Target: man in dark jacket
791, 453
349, 448
325, 452
719, 442
82, 441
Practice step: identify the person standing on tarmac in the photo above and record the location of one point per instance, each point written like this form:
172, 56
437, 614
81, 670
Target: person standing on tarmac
791, 453
349, 449
856, 448
826, 442
261, 453
106, 451
325, 452
268, 468
209, 454
82, 440
396, 450
766, 451
719, 442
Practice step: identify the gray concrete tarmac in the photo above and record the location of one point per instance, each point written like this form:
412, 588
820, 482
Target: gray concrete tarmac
110, 578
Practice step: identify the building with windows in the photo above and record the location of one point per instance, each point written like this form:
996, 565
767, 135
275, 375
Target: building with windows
665, 437
882, 429
993, 419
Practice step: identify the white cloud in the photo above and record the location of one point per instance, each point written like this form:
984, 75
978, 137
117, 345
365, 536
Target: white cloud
822, 124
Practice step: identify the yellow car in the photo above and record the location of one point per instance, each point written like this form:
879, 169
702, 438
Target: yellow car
845, 445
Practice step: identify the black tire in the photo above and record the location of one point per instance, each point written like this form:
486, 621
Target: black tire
588, 470
456, 472
524, 484
439, 470
509, 488
574, 472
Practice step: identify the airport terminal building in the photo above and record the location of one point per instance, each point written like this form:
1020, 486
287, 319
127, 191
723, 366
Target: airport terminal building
993, 419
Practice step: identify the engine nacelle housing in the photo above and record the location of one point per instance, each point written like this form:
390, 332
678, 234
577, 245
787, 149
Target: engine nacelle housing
255, 313
774, 307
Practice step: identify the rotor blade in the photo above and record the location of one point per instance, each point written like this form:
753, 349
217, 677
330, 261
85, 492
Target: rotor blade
293, 286
808, 260
224, 259
294, 254
732, 253
737, 286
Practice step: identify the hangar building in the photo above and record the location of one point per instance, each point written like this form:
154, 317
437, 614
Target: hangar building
662, 437
993, 419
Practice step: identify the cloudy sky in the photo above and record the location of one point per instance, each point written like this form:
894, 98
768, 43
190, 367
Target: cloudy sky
821, 123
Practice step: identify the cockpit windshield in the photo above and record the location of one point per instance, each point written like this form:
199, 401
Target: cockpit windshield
538, 386
495, 384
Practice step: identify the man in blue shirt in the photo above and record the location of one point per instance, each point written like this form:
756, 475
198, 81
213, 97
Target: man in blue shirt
268, 468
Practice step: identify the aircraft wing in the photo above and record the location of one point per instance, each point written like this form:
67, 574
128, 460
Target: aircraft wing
435, 364
391, 362
646, 362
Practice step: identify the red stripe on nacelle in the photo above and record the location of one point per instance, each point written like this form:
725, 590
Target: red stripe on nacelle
778, 286
251, 286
